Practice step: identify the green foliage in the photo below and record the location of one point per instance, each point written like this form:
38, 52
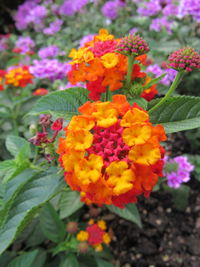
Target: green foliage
177, 113
36, 192
180, 196
130, 212
62, 103
15, 144
51, 225
29, 259
70, 261
195, 160
69, 203
154, 81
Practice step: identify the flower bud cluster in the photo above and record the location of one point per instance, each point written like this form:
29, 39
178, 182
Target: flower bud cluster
132, 45
184, 59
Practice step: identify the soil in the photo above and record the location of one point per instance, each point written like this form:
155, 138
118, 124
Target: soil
169, 237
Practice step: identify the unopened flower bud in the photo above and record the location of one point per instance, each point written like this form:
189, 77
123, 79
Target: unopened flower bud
57, 125
45, 120
72, 227
39, 139
83, 247
184, 59
132, 45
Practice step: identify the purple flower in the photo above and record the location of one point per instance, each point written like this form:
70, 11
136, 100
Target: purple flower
86, 39
133, 30
21, 15
158, 24
150, 9
50, 69
110, 9
54, 27
190, 7
157, 71
49, 52
69, 8
177, 170
25, 44
37, 15
69, 85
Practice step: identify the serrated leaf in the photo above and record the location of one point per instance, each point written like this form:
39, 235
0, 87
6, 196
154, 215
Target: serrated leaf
177, 113
35, 194
69, 203
129, 212
140, 101
6, 166
15, 144
12, 190
26, 259
65, 103
52, 227
70, 261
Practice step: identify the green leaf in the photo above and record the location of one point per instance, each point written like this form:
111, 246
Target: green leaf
195, 160
70, 261
62, 103
69, 203
15, 144
130, 212
35, 194
7, 166
177, 113
154, 81
87, 261
52, 227
140, 101
26, 259
103, 263
12, 190
180, 196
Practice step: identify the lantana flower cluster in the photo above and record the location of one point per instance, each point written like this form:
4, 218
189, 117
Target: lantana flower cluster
19, 76
177, 170
95, 235
111, 153
99, 65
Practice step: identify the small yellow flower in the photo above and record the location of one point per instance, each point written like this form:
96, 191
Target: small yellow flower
133, 116
102, 224
109, 60
120, 177
106, 238
91, 221
79, 140
98, 248
82, 236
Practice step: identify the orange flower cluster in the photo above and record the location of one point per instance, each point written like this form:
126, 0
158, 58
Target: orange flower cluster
95, 235
111, 152
19, 76
40, 92
2, 76
99, 65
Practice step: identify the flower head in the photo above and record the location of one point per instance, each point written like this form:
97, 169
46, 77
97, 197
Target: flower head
177, 170
132, 45
184, 59
19, 76
111, 153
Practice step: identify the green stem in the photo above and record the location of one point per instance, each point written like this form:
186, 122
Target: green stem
130, 70
174, 85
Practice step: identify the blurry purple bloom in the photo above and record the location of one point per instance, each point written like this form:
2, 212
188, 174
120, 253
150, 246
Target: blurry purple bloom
150, 9
110, 9
190, 7
133, 30
21, 14
49, 52
177, 170
158, 23
25, 44
69, 8
54, 27
157, 71
37, 15
50, 69
86, 39
69, 85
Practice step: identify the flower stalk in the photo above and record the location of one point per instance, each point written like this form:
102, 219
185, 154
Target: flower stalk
172, 88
